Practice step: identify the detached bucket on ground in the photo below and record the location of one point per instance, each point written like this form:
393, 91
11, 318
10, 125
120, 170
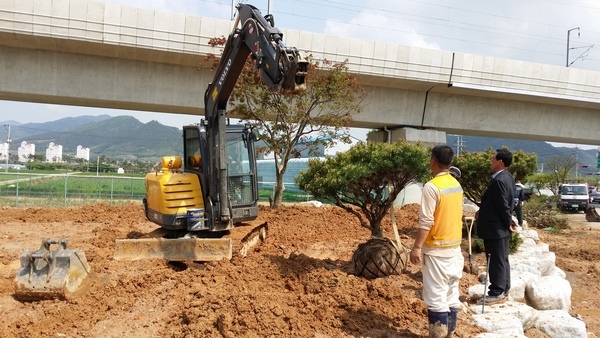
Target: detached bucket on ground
50, 274
591, 215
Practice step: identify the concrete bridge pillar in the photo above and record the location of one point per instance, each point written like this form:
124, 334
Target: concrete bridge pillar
427, 137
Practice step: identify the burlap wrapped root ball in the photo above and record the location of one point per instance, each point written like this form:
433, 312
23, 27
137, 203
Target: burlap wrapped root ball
379, 257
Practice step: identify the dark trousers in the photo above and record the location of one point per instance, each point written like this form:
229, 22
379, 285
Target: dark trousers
499, 274
519, 214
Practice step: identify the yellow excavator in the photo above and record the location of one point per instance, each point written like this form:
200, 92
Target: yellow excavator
215, 185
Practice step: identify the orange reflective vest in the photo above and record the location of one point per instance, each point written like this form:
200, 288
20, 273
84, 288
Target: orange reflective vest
447, 218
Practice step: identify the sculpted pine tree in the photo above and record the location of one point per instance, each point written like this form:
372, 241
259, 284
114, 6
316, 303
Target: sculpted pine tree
365, 181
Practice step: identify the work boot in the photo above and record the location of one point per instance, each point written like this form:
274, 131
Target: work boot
438, 324
452, 320
491, 300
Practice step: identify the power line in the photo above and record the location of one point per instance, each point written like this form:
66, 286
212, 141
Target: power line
522, 40
505, 32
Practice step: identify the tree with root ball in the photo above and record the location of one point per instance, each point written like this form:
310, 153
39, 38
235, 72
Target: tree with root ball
365, 181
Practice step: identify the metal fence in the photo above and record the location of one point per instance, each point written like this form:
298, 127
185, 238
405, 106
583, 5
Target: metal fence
25, 189
69, 189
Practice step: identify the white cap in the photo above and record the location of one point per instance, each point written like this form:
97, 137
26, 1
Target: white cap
454, 171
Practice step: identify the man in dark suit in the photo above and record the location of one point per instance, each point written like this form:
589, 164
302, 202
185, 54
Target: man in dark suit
494, 225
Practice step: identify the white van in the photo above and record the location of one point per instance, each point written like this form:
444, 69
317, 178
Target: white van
572, 197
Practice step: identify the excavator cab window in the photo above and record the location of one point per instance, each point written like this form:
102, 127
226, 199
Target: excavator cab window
240, 172
192, 149
237, 155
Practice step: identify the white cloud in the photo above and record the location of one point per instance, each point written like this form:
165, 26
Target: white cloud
525, 30
370, 26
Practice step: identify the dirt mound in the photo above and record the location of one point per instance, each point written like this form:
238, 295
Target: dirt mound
297, 284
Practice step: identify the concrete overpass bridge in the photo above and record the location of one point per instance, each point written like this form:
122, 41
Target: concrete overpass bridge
84, 53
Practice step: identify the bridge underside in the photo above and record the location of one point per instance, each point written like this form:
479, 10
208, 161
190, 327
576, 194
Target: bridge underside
106, 55
55, 77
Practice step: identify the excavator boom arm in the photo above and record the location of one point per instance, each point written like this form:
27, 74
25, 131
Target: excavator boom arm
280, 68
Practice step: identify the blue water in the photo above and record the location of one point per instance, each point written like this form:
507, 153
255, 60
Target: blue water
266, 173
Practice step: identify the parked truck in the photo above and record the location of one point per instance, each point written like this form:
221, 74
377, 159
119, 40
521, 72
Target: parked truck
573, 197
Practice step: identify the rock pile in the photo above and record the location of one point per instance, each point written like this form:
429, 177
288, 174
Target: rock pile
540, 296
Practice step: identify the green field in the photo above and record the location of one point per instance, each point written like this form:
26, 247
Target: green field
73, 189
53, 188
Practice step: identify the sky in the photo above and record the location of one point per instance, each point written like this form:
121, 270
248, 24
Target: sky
533, 30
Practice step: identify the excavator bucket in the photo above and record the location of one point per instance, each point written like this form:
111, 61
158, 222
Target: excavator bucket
591, 215
295, 68
52, 274
188, 248
256, 236
178, 249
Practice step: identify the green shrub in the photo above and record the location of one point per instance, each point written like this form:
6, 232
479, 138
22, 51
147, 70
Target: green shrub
539, 215
513, 246
515, 241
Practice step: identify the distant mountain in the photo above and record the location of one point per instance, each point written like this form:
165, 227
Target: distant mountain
126, 137
114, 137
543, 149
23, 130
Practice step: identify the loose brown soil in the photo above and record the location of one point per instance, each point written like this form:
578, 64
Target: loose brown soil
296, 284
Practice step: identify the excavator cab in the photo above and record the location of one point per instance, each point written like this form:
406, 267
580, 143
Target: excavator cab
242, 179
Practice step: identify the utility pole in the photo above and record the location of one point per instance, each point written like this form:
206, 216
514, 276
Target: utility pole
569, 48
577, 161
8, 141
568, 40
459, 144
